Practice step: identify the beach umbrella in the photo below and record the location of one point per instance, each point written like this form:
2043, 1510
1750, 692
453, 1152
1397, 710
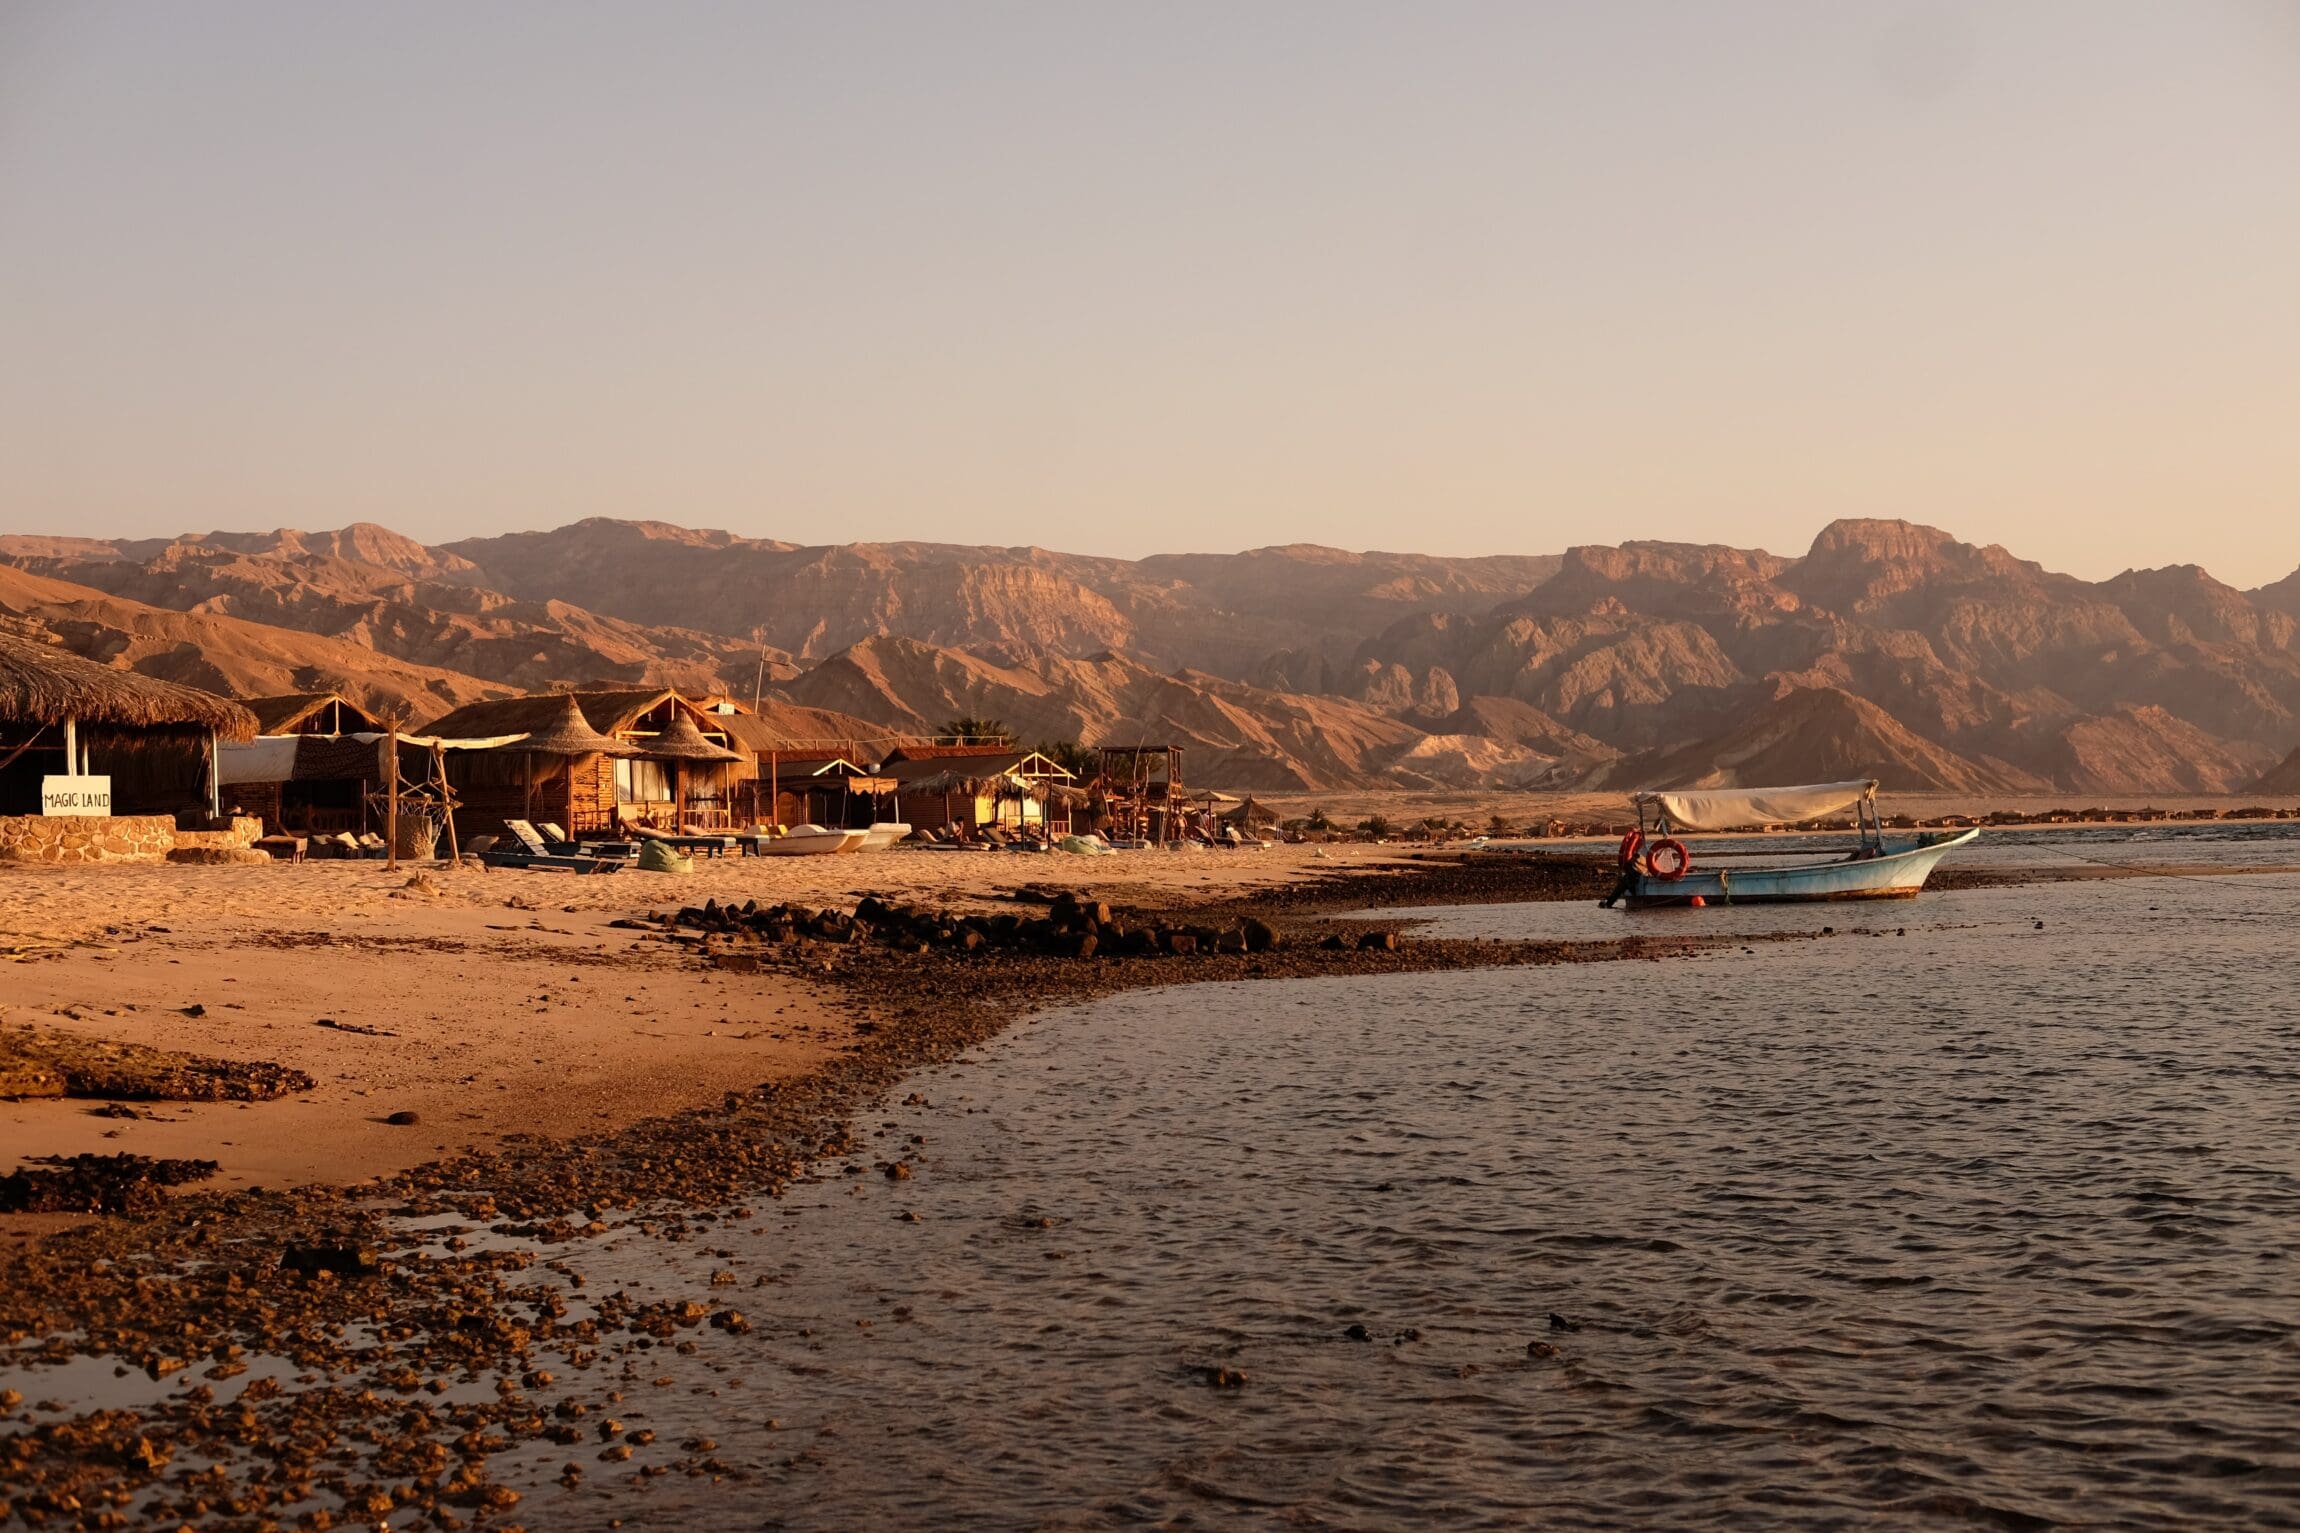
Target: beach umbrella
679, 743
571, 738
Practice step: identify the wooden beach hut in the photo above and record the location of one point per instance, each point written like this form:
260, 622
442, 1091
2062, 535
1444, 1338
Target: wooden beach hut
589, 793
698, 775
326, 777
789, 780
811, 788
965, 788
62, 716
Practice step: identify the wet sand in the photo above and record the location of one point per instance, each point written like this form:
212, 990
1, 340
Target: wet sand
487, 1003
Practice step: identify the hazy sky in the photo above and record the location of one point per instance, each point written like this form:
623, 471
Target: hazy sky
1454, 277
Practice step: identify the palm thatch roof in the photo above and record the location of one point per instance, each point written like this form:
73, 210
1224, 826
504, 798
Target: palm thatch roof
973, 778
603, 711
282, 714
566, 734
912, 765
41, 685
680, 740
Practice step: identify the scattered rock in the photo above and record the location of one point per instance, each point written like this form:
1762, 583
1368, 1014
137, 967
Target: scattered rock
345, 1260
97, 1184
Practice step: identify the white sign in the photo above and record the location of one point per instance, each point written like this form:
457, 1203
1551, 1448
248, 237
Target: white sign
75, 795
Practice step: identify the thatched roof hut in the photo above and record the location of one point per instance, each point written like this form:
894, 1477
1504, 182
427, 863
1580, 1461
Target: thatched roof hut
606, 712
568, 733
42, 685
590, 761
680, 740
64, 716
312, 713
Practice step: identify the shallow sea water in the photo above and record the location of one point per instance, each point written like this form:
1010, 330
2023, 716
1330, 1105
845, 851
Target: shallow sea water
1944, 1219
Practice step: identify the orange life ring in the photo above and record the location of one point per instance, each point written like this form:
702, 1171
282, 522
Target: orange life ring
1680, 863
1629, 845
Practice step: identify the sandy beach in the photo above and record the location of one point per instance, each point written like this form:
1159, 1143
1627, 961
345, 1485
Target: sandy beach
486, 1003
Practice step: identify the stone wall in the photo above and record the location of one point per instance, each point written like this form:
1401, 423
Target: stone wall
86, 838
245, 829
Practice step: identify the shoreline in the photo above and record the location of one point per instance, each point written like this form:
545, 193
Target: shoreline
257, 1272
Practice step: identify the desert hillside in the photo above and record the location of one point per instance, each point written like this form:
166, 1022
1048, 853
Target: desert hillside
1886, 648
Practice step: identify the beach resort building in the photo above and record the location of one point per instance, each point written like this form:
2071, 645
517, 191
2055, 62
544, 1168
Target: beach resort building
970, 787
307, 772
589, 762
97, 763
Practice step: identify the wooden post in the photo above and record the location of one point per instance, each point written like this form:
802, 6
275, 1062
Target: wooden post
391, 799
446, 799
215, 781
774, 790
71, 746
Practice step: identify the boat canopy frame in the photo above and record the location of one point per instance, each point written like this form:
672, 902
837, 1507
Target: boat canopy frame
1653, 821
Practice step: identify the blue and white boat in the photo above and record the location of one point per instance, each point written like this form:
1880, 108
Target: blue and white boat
1658, 869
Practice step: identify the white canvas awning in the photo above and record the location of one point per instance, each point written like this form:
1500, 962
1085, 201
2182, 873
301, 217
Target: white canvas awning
272, 758
1730, 808
266, 758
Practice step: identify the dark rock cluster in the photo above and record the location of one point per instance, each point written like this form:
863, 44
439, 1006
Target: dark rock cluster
96, 1184
1073, 926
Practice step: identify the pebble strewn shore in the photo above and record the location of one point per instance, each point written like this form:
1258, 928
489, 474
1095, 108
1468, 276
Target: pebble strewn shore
370, 1351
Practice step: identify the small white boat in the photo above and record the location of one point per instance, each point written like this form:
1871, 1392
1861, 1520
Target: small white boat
1657, 868
883, 834
812, 841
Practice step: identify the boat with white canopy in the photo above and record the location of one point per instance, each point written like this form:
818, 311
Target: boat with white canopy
1657, 868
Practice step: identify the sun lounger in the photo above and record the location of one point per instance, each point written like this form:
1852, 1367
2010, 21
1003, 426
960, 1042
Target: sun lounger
707, 846
558, 843
534, 854
572, 864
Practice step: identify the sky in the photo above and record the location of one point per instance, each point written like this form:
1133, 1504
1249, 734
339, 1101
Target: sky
1451, 277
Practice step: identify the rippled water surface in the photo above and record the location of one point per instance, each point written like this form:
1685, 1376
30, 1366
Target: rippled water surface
1959, 1220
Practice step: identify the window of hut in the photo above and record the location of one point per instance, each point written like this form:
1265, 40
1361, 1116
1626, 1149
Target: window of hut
642, 782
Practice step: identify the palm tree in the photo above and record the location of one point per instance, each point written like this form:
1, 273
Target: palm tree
969, 730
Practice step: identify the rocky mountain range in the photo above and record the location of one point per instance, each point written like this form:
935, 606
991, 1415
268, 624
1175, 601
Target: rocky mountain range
1886, 649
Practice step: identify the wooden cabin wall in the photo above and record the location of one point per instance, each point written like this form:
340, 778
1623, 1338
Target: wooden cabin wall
933, 811
493, 787
591, 796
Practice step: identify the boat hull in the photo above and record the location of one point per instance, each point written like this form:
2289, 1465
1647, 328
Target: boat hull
812, 841
1897, 875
